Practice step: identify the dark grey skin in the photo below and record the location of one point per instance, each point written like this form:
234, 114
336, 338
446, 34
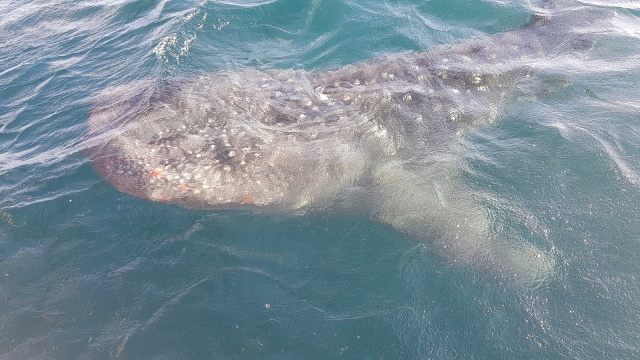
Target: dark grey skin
380, 138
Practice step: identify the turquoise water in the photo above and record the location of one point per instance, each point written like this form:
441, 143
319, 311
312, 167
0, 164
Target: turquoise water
90, 273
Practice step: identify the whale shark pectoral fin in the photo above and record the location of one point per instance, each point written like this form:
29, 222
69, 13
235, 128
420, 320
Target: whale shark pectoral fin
438, 208
527, 264
427, 206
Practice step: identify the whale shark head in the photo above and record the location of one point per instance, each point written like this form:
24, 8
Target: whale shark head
220, 143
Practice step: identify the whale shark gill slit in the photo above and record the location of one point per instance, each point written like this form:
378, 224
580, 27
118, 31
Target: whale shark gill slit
379, 135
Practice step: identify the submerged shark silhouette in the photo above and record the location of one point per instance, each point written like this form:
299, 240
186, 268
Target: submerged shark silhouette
378, 137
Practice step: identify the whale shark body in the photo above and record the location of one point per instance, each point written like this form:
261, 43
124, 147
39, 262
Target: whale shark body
379, 138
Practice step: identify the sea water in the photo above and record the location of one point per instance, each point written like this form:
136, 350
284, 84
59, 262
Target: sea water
87, 272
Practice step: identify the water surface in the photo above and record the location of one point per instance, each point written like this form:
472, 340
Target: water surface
90, 273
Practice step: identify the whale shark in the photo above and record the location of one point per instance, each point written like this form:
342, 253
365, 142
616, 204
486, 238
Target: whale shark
380, 138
